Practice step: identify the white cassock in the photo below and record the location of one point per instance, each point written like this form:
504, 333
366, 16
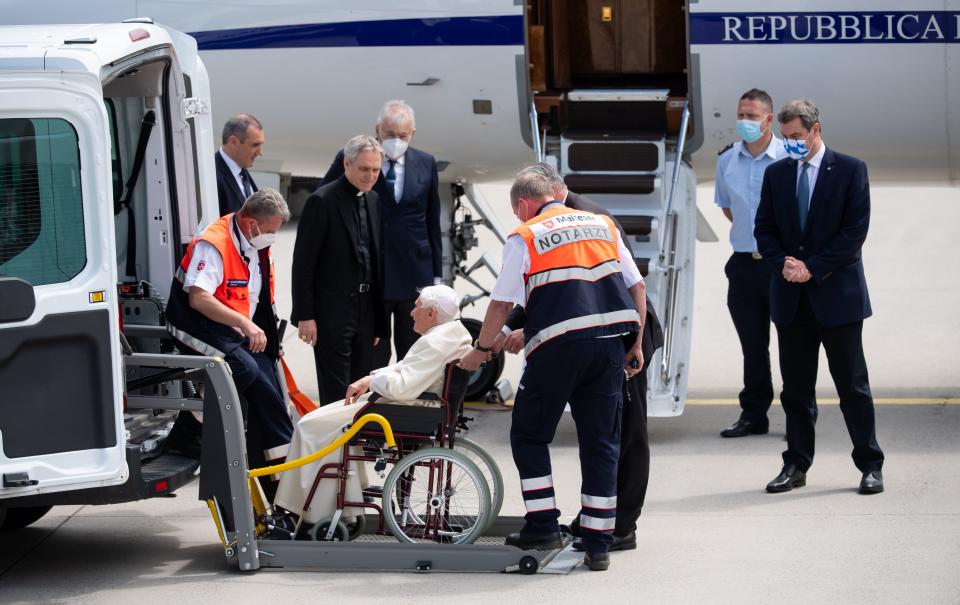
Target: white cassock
421, 370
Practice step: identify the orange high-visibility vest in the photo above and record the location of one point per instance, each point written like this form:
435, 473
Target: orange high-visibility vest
233, 291
574, 287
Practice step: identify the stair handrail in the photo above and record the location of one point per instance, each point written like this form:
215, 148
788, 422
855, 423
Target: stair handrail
535, 131
669, 253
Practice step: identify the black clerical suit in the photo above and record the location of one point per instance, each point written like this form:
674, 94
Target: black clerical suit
412, 245
230, 196
337, 282
830, 307
634, 464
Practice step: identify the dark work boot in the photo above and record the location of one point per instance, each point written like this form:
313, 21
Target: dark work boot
527, 539
597, 561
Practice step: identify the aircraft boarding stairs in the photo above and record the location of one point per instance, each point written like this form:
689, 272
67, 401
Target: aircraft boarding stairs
616, 149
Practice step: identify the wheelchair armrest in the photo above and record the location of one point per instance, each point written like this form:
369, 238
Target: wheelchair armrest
375, 397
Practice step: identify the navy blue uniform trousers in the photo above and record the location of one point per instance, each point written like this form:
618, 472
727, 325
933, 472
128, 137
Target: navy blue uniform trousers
269, 429
587, 373
748, 298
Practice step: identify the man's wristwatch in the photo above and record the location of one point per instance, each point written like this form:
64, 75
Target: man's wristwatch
476, 345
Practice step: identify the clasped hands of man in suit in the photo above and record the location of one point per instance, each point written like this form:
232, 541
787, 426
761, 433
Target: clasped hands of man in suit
796, 271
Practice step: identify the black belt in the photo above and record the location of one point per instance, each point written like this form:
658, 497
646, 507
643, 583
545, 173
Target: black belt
753, 255
363, 288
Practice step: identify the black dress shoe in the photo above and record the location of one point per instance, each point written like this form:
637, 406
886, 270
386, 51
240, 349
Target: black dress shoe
872, 482
597, 561
790, 477
530, 540
625, 542
742, 428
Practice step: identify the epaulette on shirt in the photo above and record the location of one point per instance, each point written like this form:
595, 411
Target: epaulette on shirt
721, 152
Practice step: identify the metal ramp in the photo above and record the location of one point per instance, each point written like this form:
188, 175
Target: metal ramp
622, 149
225, 485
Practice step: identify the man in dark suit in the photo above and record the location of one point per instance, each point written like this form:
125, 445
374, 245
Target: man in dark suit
242, 144
811, 224
412, 250
634, 462
337, 279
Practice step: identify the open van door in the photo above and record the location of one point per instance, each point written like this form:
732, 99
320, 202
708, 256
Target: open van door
61, 398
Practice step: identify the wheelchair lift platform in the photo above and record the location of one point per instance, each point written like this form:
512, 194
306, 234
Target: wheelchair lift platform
373, 552
225, 485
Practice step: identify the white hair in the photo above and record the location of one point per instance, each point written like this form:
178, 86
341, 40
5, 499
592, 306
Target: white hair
395, 113
359, 144
442, 298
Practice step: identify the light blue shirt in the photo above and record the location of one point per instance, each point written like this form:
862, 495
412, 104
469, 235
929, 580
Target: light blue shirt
739, 179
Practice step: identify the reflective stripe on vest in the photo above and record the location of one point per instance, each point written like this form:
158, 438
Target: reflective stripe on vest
233, 291
574, 283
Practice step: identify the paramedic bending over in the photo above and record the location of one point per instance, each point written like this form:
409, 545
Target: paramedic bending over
442, 340
221, 303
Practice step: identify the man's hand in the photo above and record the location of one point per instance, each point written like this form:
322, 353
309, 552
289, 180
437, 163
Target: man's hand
514, 342
796, 271
307, 331
256, 338
358, 388
634, 359
473, 360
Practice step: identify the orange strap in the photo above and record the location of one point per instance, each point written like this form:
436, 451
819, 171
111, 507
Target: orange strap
303, 403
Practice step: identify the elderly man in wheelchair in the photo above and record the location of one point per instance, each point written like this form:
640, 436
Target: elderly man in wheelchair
439, 488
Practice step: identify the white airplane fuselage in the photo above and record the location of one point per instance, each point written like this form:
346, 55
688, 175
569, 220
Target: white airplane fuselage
316, 72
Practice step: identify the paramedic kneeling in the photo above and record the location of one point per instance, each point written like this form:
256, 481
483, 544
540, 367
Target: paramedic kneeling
219, 305
581, 291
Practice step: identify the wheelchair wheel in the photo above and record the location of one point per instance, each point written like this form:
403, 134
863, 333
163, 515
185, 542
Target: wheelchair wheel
491, 472
319, 531
436, 495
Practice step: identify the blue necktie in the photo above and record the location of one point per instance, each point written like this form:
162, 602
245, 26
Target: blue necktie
803, 196
247, 187
391, 177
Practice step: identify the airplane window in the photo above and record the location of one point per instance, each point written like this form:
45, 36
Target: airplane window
41, 206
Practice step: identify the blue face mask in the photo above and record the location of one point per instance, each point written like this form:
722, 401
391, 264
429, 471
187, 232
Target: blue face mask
796, 148
749, 130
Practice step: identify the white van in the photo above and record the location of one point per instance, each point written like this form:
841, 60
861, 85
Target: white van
103, 128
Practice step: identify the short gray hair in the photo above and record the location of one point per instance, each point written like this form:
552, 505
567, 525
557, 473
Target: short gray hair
442, 298
531, 186
265, 204
548, 172
359, 144
393, 110
238, 125
805, 109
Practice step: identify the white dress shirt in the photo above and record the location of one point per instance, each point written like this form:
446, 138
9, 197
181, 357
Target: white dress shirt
235, 170
206, 268
399, 169
812, 170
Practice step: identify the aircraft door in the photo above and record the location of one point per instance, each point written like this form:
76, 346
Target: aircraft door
616, 37
61, 424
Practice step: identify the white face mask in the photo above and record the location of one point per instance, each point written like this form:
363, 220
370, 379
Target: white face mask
262, 240
395, 148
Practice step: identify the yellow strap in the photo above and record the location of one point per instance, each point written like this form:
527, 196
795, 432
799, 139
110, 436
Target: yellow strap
359, 424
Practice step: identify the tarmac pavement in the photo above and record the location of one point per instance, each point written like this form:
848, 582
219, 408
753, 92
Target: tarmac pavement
709, 533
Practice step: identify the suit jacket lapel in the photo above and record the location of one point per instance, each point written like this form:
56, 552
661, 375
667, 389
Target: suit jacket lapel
409, 170
231, 180
373, 211
820, 186
345, 203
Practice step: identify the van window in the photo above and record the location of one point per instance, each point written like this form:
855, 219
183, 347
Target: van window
41, 206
